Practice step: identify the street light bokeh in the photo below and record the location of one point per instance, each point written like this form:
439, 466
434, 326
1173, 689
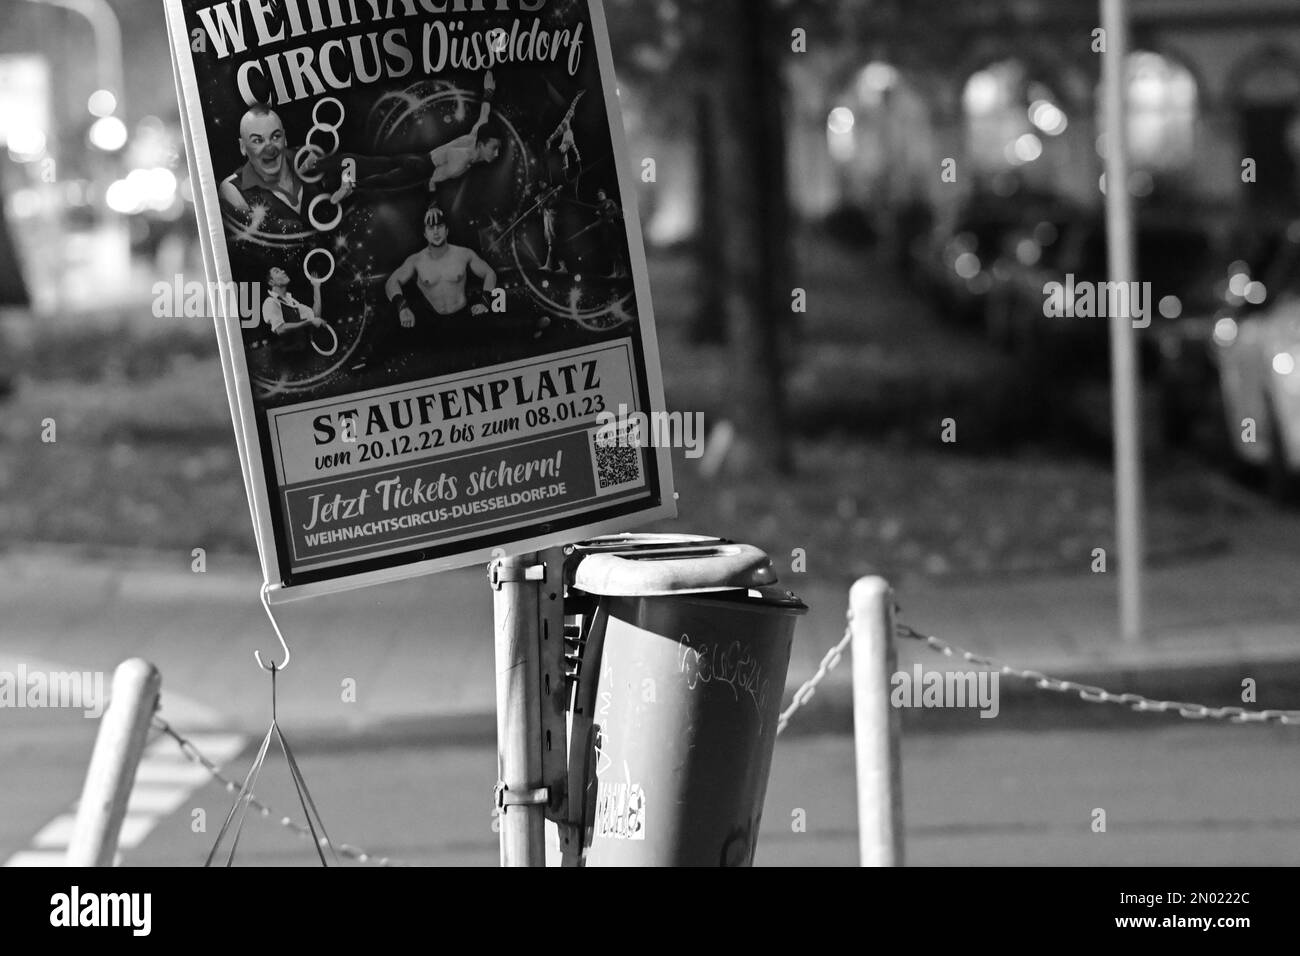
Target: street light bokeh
108, 133
102, 103
26, 144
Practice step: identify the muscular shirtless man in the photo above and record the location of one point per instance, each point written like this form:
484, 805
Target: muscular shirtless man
440, 270
482, 144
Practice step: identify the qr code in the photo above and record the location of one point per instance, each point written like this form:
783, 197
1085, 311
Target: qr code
617, 465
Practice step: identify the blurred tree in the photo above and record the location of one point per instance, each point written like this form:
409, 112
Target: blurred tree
709, 324
13, 289
725, 58
749, 109
663, 50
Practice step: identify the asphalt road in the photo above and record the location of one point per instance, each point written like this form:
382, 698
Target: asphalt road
1007, 792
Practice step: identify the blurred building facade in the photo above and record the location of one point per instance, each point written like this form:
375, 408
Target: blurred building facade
92, 167
885, 93
1008, 90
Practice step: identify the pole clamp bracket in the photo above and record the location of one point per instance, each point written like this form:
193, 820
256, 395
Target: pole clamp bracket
504, 797
499, 575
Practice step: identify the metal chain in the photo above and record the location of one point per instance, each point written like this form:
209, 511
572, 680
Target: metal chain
1098, 695
193, 754
1087, 692
805, 693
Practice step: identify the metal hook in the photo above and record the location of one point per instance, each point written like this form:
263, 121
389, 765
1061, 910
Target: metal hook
273, 667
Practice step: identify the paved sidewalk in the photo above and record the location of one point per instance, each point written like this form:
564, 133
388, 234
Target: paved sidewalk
423, 648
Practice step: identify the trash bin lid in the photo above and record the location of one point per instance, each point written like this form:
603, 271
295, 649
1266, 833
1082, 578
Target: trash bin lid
770, 595
630, 565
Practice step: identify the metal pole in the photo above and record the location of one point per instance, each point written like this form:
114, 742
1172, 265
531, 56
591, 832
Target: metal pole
1123, 342
875, 724
521, 797
118, 748
563, 836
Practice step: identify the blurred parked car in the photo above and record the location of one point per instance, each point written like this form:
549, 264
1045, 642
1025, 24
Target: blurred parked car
1191, 399
1176, 258
1031, 256
953, 263
13, 297
1256, 351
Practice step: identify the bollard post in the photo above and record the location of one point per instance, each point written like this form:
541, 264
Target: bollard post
521, 794
876, 724
118, 749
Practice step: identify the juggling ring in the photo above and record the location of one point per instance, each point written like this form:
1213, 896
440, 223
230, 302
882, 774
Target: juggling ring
318, 280
315, 119
324, 129
316, 223
325, 331
298, 163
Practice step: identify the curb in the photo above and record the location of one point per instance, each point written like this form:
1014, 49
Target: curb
830, 712
152, 563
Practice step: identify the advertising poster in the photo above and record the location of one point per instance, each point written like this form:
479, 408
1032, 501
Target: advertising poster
426, 265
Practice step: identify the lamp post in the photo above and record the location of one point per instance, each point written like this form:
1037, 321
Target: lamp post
1124, 367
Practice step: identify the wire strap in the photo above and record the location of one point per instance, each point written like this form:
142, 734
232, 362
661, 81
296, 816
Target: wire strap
194, 755
243, 800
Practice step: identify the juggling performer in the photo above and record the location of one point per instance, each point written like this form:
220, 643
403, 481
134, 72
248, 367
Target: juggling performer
295, 333
265, 178
308, 326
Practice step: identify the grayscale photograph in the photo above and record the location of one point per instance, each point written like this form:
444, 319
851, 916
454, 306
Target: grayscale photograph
847, 434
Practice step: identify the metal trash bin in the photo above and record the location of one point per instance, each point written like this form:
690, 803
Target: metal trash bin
683, 667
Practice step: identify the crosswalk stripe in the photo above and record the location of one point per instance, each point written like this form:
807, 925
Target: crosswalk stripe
159, 772
163, 782
55, 834
137, 826
160, 801
38, 858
